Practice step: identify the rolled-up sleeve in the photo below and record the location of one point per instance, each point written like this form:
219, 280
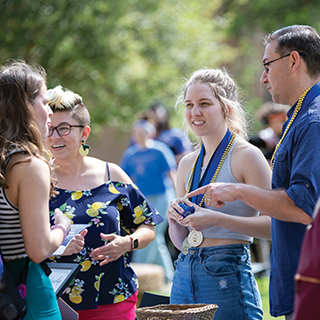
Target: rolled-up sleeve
304, 188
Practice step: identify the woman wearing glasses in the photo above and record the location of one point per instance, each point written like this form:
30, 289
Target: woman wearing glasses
214, 265
101, 195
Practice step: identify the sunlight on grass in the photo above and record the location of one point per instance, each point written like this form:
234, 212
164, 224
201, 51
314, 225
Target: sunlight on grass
263, 283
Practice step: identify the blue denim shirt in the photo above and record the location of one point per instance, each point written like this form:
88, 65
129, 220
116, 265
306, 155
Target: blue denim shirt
297, 170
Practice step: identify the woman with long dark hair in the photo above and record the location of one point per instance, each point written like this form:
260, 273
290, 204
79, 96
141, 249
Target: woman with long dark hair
26, 184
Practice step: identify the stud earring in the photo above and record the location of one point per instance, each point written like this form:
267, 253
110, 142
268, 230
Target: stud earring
84, 148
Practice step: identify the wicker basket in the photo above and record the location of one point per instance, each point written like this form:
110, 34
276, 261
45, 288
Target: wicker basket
177, 311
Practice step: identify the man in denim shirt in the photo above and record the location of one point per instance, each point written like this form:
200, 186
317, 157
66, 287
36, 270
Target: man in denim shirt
291, 74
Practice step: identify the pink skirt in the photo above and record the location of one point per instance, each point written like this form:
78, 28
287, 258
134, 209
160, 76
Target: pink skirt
116, 311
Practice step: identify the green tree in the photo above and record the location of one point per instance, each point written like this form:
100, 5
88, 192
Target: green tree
119, 55
123, 55
249, 21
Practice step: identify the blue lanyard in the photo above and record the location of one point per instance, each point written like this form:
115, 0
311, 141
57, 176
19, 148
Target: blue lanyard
211, 167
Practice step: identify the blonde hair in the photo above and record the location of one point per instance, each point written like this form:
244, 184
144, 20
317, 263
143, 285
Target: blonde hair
225, 90
65, 100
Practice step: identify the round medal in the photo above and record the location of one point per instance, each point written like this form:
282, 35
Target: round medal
185, 246
195, 238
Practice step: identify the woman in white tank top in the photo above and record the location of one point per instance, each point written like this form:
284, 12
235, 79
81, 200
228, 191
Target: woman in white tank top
214, 265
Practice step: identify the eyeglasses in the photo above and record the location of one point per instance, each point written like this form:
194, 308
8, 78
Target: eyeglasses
287, 55
63, 129
268, 63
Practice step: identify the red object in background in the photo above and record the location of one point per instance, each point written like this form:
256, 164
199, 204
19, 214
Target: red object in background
307, 278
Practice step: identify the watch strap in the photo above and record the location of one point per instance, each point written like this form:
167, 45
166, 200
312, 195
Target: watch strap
134, 243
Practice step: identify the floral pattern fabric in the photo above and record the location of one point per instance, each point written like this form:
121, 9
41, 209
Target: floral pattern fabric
112, 208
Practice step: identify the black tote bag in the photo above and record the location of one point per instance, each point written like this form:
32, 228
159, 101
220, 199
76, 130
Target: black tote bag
12, 305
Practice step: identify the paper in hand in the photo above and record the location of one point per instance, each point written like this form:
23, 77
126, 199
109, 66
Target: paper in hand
75, 229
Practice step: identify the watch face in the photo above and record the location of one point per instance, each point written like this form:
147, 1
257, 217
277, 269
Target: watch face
135, 243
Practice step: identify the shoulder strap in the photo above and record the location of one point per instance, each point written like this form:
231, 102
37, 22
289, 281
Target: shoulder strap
10, 154
108, 170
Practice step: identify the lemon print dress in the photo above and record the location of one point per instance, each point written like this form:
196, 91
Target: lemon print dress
111, 208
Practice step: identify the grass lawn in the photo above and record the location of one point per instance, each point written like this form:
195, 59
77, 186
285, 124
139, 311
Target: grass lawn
263, 283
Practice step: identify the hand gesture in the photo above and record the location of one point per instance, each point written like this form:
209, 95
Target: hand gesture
76, 244
216, 194
172, 213
114, 248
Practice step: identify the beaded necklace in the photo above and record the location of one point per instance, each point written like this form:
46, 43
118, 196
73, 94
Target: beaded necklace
226, 151
294, 115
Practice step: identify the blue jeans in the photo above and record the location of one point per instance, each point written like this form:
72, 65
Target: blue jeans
157, 251
218, 275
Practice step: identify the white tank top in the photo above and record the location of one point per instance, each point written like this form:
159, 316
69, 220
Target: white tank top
236, 208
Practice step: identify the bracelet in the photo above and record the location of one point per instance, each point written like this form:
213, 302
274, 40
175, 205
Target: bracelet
59, 226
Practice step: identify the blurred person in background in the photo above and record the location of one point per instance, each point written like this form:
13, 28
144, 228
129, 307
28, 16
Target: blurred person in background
152, 166
272, 116
175, 138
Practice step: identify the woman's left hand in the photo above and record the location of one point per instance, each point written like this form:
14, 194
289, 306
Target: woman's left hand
114, 248
174, 209
201, 219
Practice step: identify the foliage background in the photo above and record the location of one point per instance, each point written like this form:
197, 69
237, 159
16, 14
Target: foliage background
121, 56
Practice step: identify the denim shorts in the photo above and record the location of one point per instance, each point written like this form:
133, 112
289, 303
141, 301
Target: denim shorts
218, 275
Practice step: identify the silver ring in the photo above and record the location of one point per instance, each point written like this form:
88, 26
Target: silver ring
107, 256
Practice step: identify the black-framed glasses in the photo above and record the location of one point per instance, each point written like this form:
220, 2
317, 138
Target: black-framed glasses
269, 62
63, 129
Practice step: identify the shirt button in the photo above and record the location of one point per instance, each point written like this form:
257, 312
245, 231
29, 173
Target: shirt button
307, 185
191, 252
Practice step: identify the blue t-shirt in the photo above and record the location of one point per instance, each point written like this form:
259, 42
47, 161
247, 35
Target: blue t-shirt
297, 170
109, 208
149, 168
176, 140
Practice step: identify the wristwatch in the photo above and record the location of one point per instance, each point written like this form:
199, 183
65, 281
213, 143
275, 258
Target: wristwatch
134, 243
